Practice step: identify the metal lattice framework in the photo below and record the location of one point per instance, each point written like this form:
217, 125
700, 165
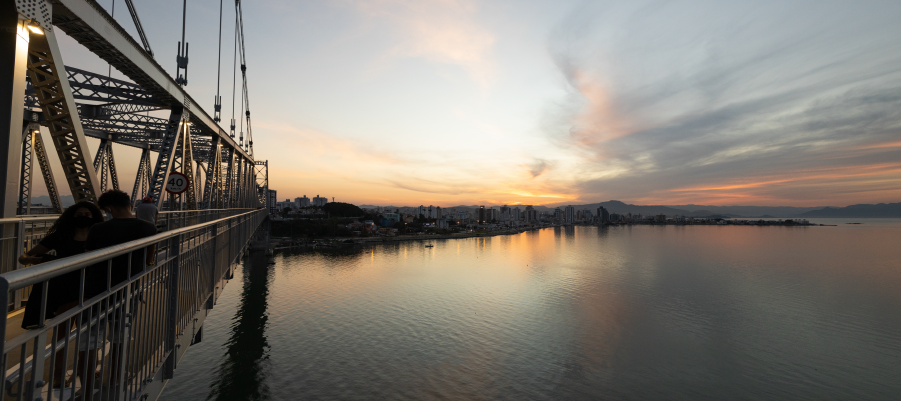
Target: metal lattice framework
73, 104
187, 266
261, 169
41, 155
25, 177
58, 106
142, 180
105, 165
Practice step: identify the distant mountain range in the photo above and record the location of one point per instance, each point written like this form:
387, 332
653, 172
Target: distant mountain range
858, 211
883, 210
614, 206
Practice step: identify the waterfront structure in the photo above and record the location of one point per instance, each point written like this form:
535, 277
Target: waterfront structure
390, 219
531, 214
569, 215
587, 216
603, 216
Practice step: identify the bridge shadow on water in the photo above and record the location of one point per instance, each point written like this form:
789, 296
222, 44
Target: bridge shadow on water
243, 369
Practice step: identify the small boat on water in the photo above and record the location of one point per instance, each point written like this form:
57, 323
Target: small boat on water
429, 246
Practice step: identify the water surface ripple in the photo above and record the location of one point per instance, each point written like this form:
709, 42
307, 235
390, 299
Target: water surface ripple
644, 312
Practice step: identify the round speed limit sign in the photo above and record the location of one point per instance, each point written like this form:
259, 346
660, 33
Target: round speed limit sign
176, 183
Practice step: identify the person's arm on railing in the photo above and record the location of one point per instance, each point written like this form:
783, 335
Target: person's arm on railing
34, 255
151, 255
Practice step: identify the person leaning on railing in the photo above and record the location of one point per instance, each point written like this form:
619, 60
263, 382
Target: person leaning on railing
122, 228
67, 237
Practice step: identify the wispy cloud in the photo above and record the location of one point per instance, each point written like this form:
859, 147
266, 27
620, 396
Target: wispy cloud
748, 104
538, 167
443, 31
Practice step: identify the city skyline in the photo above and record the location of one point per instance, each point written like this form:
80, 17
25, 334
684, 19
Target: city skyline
554, 103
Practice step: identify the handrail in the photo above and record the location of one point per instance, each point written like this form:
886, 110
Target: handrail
49, 217
22, 278
140, 327
29, 218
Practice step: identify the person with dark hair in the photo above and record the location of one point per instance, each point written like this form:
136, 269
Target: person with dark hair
122, 228
67, 237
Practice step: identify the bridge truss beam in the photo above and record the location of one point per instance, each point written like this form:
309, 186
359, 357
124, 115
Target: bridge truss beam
58, 106
118, 111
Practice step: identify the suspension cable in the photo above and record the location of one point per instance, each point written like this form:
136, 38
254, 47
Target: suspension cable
109, 68
234, 77
245, 96
217, 107
182, 58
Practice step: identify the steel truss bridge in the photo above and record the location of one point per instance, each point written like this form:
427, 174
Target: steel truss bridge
125, 343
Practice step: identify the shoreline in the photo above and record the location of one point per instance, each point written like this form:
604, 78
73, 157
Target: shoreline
457, 236
380, 240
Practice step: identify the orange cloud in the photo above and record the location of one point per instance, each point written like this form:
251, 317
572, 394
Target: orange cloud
881, 146
600, 120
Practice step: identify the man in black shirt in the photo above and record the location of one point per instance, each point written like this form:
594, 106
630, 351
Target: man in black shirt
122, 228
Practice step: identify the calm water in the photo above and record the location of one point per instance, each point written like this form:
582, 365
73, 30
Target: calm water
569, 313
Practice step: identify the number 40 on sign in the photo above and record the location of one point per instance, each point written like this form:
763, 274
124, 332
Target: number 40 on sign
177, 183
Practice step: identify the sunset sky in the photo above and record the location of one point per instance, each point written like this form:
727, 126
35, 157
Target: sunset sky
554, 102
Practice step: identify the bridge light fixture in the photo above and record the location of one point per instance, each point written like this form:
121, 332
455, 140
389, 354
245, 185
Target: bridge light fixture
35, 28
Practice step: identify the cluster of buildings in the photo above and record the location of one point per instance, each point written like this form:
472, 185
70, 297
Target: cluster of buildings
505, 217
442, 217
304, 202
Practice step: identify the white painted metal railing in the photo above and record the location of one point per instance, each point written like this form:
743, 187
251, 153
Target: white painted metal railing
124, 343
22, 233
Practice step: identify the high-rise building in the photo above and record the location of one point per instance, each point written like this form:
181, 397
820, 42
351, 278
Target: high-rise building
319, 200
587, 215
302, 202
603, 216
481, 214
516, 214
531, 214
272, 202
569, 215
